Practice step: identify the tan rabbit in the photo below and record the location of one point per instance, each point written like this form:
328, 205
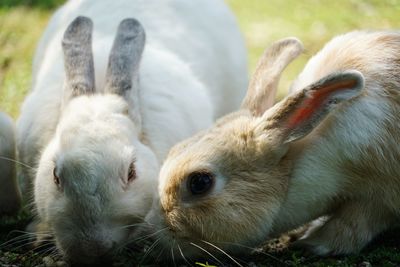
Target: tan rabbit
329, 148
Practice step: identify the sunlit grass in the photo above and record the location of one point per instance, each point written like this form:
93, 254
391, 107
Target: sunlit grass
20, 29
314, 22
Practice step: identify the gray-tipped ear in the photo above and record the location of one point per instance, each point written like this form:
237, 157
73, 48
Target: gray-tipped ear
123, 64
78, 57
264, 82
301, 112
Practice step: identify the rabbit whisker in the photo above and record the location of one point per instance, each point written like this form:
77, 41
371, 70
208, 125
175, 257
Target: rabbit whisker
160, 253
155, 243
18, 162
183, 256
221, 250
142, 224
16, 240
172, 253
206, 251
260, 252
145, 237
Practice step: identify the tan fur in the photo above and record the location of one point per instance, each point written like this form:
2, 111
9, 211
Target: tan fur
340, 162
264, 83
367, 201
240, 137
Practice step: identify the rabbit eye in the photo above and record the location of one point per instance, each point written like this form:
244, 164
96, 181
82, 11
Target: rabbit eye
200, 182
131, 173
56, 179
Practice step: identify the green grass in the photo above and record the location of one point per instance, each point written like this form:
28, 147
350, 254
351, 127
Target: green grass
20, 28
262, 21
314, 22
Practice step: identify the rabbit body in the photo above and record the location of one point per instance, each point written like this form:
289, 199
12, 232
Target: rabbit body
347, 167
10, 199
193, 69
195, 53
330, 148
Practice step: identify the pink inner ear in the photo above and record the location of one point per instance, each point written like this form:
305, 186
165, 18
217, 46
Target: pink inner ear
312, 103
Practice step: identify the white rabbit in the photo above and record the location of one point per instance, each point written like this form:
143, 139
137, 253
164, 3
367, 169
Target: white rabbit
10, 198
329, 148
98, 143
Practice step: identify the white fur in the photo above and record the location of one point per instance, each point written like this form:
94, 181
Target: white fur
192, 71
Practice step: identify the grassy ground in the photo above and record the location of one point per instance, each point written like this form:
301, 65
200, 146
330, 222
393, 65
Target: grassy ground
313, 21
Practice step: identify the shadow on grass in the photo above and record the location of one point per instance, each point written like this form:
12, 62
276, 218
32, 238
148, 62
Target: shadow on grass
41, 4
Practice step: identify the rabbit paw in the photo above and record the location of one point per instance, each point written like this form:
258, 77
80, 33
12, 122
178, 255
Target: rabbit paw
347, 231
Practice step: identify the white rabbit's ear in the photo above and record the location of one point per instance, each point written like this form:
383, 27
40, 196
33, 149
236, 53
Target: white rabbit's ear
123, 64
78, 58
264, 82
298, 114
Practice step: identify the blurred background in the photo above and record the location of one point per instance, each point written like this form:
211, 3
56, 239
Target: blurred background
262, 22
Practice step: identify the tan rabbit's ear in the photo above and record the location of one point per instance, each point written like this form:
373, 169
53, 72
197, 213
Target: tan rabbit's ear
298, 114
264, 83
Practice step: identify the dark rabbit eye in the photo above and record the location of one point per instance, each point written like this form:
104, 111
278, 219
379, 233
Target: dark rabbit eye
131, 173
200, 182
56, 179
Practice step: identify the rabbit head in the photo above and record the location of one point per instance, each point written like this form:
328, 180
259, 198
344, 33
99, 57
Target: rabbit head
95, 177
223, 188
